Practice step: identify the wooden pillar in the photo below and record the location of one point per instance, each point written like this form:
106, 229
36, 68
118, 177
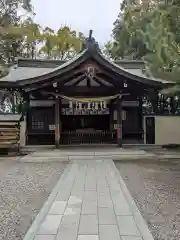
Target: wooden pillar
111, 116
13, 103
26, 113
119, 122
57, 120
172, 105
140, 112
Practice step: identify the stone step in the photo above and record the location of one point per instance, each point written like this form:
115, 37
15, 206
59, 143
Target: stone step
86, 154
68, 158
28, 149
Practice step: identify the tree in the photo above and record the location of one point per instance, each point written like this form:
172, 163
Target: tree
126, 40
32, 37
63, 45
149, 31
27, 39
49, 41
10, 36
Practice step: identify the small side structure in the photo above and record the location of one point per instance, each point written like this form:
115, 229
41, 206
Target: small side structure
10, 125
89, 99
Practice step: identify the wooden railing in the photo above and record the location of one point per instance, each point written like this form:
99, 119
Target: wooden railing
69, 137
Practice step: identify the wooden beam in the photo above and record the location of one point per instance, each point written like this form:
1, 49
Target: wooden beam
78, 80
92, 91
61, 82
101, 80
115, 81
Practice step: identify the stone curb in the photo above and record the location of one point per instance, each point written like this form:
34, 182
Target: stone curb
30, 234
142, 225
153, 159
44, 160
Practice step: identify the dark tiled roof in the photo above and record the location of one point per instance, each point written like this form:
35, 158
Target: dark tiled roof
28, 71
28, 68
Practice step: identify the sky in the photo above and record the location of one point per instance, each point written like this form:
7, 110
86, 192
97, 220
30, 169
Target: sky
80, 15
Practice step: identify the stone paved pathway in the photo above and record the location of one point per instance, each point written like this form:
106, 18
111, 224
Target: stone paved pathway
90, 202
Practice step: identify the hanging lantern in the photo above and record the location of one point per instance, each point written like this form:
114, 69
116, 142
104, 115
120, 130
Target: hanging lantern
70, 104
105, 104
96, 105
77, 105
80, 106
89, 106
93, 105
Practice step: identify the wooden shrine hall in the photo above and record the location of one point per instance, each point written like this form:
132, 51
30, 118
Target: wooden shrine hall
86, 100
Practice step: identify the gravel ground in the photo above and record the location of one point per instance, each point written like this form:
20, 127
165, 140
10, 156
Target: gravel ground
23, 190
156, 191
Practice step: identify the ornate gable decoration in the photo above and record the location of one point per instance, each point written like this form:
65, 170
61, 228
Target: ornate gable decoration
90, 71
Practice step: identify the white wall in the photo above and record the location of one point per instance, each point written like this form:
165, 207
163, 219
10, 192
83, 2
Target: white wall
167, 129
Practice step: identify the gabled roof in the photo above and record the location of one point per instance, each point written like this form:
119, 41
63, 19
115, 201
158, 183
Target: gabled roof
29, 71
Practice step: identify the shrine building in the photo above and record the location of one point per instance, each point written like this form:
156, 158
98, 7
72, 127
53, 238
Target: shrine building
86, 100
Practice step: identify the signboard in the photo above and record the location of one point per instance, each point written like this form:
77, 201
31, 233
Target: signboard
90, 108
85, 111
52, 127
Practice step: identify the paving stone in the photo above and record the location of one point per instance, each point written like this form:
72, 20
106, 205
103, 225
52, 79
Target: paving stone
90, 203
89, 208
73, 200
78, 191
106, 216
88, 237
50, 224
45, 237
65, 192
67, 232
127, 226
63, 195
90, 196
131, 238
58, 207
105, 201
71, 216
107, 232
121, 206
90, 187
103, 190
72, 210
88, 225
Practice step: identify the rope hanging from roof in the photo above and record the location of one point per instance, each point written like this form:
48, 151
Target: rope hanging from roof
89, 100
85, 100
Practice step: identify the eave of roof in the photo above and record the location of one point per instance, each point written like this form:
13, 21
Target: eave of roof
38, 74
33, 73
129, 73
